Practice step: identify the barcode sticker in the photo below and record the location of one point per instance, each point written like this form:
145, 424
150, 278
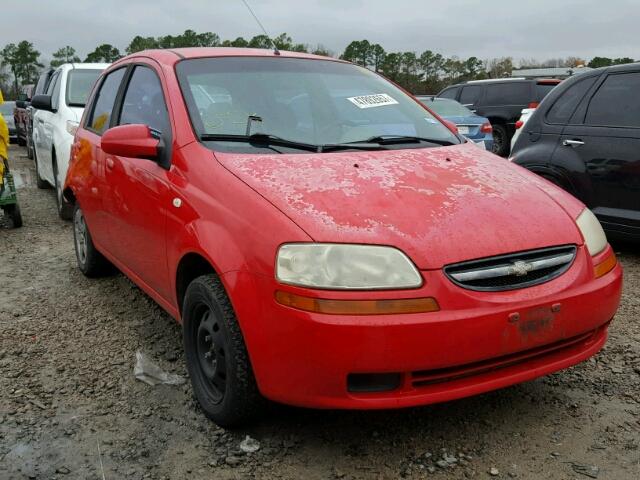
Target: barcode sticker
369, 101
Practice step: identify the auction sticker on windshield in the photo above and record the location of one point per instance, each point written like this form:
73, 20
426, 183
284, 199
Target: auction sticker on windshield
376, 100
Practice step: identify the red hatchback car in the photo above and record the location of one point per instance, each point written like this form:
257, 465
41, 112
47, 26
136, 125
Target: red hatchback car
324, 239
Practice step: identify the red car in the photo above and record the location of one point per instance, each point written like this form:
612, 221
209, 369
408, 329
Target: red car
325, 240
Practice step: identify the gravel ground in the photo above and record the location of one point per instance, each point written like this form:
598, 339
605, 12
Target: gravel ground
71, 408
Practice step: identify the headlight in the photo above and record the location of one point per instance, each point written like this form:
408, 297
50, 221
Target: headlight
592, 231
341, 266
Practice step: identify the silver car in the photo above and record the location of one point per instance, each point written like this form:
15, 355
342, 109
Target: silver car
6, 110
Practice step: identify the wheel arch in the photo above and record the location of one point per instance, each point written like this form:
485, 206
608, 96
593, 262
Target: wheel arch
555, 176
191, 266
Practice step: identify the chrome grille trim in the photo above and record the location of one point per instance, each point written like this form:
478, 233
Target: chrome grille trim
512, 271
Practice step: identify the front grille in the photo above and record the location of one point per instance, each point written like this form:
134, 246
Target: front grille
516, 270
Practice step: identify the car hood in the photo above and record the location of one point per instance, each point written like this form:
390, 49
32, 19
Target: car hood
438, 205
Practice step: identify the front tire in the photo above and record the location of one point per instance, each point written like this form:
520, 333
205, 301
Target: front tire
90, 261
216, 355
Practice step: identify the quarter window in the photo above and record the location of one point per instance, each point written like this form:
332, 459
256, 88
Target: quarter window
617, 102
144, 101
104, 102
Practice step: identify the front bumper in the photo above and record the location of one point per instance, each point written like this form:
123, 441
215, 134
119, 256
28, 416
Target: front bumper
471, 346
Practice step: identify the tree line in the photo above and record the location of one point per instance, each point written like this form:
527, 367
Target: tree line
425, 72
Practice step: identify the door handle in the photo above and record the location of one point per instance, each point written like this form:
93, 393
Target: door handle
572, 143
110, 163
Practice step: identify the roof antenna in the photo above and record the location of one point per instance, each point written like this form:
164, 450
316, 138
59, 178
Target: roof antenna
275, 49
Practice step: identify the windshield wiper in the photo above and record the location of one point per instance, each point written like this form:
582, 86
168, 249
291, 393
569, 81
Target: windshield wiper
267, 139
259, 138
399, 139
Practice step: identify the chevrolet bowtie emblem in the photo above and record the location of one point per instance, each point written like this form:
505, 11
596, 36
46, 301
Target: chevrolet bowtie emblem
520, 268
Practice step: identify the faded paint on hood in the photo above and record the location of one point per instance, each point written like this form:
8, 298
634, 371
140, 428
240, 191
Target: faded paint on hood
439, 205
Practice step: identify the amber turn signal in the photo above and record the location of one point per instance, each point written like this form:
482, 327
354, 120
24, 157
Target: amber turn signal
357, 307
606, 265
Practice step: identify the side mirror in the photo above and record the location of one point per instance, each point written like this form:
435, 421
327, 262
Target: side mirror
133, 141
21, 104
42, 102
451, 126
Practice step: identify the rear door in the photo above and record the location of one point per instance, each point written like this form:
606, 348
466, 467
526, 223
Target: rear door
93, 195
605, 134
138, 190
541, 136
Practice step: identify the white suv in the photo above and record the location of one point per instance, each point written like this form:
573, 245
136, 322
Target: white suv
55, 120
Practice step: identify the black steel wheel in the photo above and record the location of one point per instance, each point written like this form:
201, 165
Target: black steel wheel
216, 355
211, 346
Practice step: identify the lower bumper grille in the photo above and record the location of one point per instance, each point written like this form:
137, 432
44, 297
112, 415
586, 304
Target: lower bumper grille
430, 377
513, 271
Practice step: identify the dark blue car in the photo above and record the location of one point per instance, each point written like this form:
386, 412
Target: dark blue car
472, 126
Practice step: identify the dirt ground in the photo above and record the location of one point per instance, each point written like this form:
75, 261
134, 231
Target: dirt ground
70, 406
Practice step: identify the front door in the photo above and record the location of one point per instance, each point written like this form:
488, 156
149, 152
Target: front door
138, 190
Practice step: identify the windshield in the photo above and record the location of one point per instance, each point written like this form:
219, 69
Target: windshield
6, 108
79, 84
314, 102
448, 108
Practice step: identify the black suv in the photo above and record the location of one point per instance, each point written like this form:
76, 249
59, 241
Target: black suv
585, 137
501, 101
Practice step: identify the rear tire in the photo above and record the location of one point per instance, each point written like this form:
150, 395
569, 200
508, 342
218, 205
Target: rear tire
65, 210
216, 355
90, 261
40, 183
501, 140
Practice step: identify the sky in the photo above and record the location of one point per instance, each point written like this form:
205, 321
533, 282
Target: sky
539, 29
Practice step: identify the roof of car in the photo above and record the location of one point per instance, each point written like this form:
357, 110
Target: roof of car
84, 66
624, 66
174, 55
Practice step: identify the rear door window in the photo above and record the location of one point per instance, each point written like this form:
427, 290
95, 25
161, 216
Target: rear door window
508, 93
617, 102
470, 94
566, 104
103, 102
450, 93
